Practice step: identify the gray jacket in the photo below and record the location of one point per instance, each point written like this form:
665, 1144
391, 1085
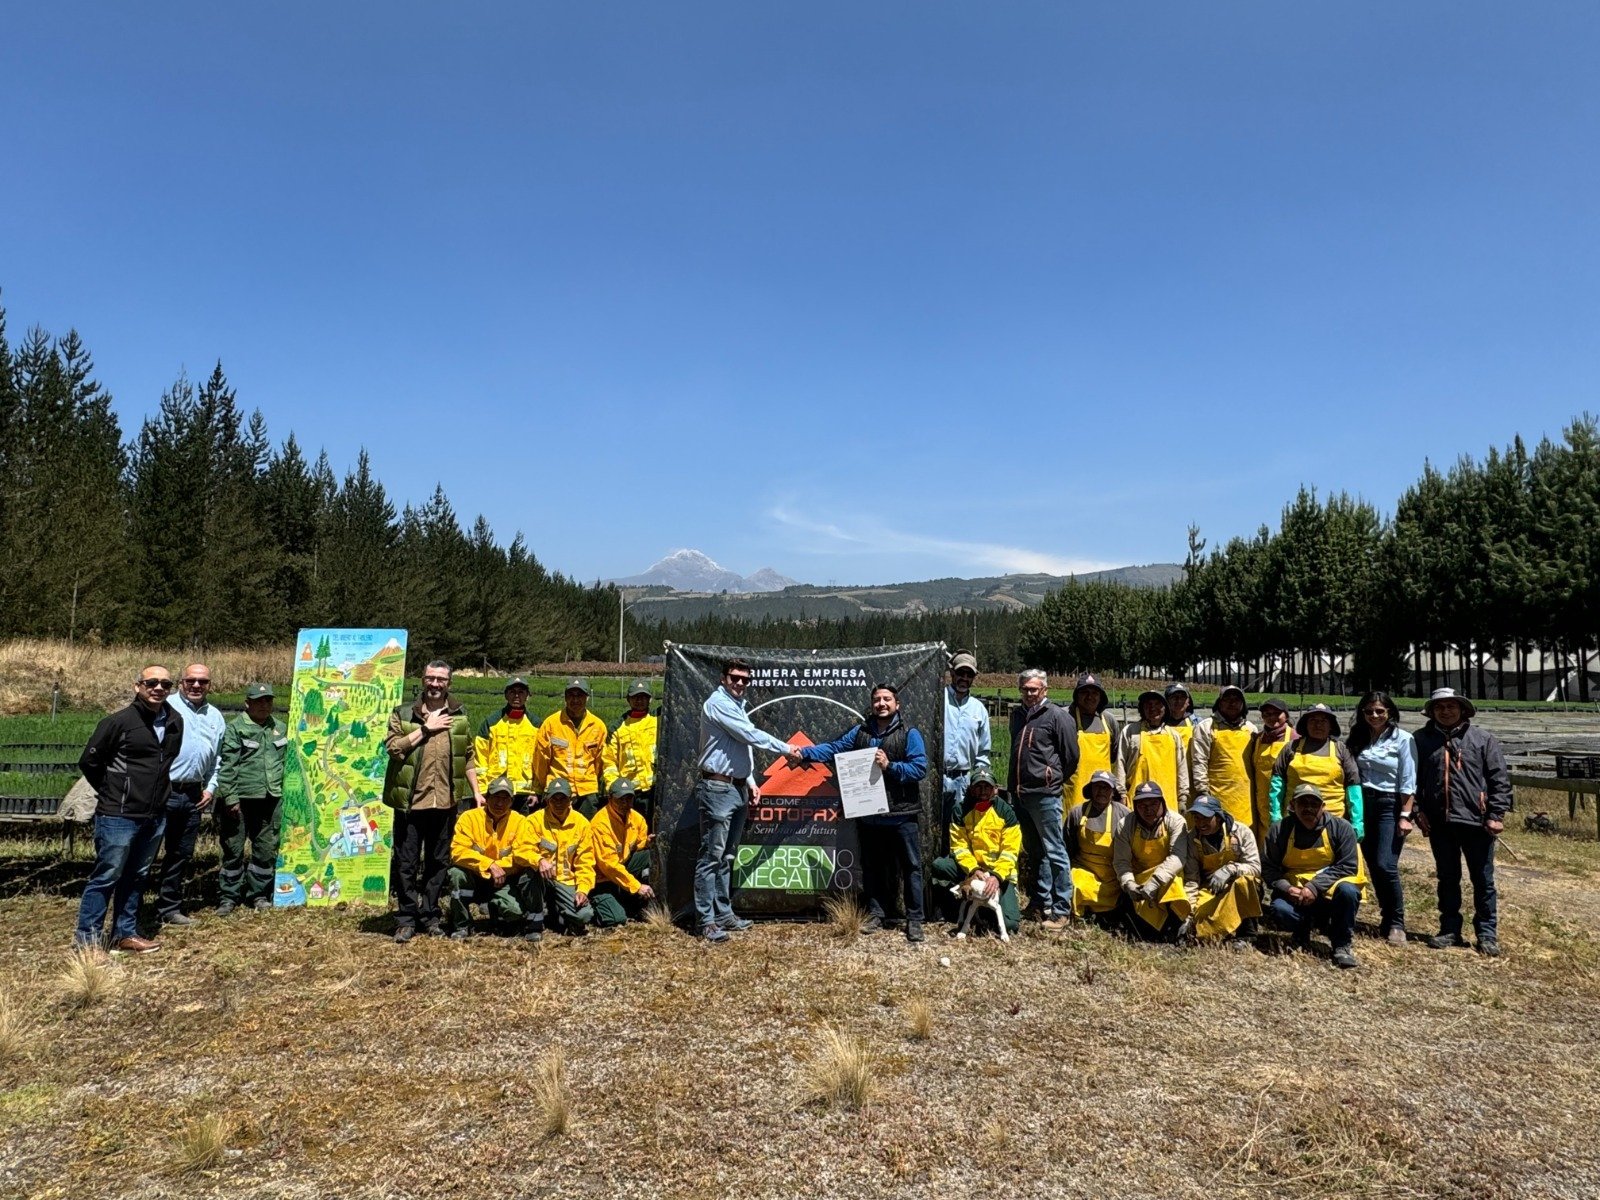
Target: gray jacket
1044, 749
1462, 777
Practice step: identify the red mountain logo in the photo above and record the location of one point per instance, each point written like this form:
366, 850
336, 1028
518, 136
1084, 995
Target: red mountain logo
812, 781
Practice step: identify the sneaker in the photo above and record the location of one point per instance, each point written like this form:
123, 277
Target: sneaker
1444, 941
136, 945
262, 905
1489, 947
1397, 936
178, 918
872, 924
224, 907
715, 934
736, 924
404, 933
913, 931
1344, 958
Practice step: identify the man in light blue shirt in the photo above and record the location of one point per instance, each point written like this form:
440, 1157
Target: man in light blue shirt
966, 733
726, 788
194, 779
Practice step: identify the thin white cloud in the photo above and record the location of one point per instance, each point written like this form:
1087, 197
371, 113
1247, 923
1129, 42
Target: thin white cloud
880, 539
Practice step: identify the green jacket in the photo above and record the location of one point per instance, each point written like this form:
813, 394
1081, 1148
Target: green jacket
400, 777
250, 763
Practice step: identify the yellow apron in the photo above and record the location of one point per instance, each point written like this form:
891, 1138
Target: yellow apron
1228, 774
1219, 915
1158, 760
1263, 758
1094, 880
1094, 754
1186, 732
1148, 854
1323, 771
1300, 867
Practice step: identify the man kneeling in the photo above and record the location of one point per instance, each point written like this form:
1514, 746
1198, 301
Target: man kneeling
1314, 871
985, 839
1148, 853
485, 867
1223, 872
621, 857
562, 855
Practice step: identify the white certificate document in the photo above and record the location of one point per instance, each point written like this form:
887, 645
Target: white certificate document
861, 791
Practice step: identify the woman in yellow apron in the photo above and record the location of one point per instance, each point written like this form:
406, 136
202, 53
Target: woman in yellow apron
1223, 872
1097, 740
1152, 752
1147, 854
1091, 829
1218, 756
1318, 758
1263, 755
1314, 872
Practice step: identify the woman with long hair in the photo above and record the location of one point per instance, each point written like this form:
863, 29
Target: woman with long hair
1387, 759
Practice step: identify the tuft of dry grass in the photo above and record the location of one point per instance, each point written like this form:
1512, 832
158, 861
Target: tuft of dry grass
204, 1145
13, 1031
551, 1097
657, 918
844, 915
919, 1021
840, 1073
88, 980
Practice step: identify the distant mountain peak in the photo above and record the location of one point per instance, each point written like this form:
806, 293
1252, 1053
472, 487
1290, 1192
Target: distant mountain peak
690, 570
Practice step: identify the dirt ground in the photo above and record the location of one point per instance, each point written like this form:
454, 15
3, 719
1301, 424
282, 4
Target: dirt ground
322, 1060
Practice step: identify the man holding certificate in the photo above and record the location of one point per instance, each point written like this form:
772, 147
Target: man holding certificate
891, 838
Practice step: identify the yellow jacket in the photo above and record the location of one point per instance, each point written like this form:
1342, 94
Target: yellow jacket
568, 843
612, 847
505, 747
631, 752
991, 839
574, 754
479, 843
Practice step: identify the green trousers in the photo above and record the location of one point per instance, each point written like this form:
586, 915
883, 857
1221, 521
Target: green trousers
253, 819
559, 902
589, 805
613, 904
511, 902
947, 873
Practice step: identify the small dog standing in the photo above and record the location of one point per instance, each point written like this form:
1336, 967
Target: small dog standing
971, 901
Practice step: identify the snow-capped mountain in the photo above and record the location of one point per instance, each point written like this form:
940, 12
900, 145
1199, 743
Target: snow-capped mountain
692, 571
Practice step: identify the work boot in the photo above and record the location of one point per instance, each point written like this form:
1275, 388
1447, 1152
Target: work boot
224, 907
913, 931
1444, 941
1344, 957
460, 933
404, 933
872, 924
533, 935
1489, 946
262, 905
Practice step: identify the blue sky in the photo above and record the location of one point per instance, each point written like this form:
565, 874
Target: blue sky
861, 292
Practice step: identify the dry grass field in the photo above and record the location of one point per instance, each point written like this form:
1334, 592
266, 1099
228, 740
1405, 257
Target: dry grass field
302, 1054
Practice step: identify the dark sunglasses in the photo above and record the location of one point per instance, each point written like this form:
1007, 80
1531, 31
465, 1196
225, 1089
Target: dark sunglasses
156, 683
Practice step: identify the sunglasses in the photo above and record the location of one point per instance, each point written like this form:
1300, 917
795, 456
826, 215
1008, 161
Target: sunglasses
738, 679
165, 684
197, 683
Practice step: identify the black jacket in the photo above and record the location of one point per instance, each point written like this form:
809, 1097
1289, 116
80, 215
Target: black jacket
128, 768
1462, 777
1044, 749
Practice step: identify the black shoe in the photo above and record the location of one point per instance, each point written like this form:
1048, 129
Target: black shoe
1489, 947
263, 905
913, 931
178, 918
1444, 941
404, 933
872, 924
1344, 958
224, 907
533, 935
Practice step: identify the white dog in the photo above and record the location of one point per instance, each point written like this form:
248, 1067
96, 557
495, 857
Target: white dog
971, 901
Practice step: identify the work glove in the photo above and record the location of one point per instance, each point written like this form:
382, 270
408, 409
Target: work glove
1152, 889
1275, 797
1132, 890
1219, 879
1355, 809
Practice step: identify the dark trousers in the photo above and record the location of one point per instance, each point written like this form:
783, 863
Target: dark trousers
1334, 913
1381, 846
1452, 843
183, 827
422, 857
254, 819
889, 843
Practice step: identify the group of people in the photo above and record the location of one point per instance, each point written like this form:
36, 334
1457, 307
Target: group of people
1169, 828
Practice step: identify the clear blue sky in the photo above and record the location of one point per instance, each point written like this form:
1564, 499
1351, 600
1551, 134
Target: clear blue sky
861, 292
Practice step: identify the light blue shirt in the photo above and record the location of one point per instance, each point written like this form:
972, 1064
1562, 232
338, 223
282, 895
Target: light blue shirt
1389, 764
727, 735
966, 733
202, 739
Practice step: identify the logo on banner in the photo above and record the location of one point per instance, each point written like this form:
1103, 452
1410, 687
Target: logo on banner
796, 801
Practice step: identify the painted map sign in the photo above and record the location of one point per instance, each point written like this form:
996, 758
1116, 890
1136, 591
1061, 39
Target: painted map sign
337, 835
797, 845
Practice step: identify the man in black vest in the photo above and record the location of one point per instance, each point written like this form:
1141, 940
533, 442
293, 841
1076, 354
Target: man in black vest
894, 837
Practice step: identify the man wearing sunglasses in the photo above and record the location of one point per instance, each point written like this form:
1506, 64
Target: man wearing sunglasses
194, 782
128, 762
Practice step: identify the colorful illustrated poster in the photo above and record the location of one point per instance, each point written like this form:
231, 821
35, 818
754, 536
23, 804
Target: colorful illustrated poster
337, 835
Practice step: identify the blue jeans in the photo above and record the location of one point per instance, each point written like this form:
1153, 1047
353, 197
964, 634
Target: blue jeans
1044, 842
1334, 913
1381, 845
891, 843
722, 809
1452, 843
124, 848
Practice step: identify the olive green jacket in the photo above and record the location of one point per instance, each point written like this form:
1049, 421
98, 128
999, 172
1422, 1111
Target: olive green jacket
400, 778
250, 763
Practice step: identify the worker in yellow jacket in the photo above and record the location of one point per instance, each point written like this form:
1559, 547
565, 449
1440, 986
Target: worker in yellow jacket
571, 746
561, 853
985, 842
504, 745
631, 750
489, 856
621, 842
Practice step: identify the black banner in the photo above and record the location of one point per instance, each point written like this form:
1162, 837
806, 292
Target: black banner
797, 847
